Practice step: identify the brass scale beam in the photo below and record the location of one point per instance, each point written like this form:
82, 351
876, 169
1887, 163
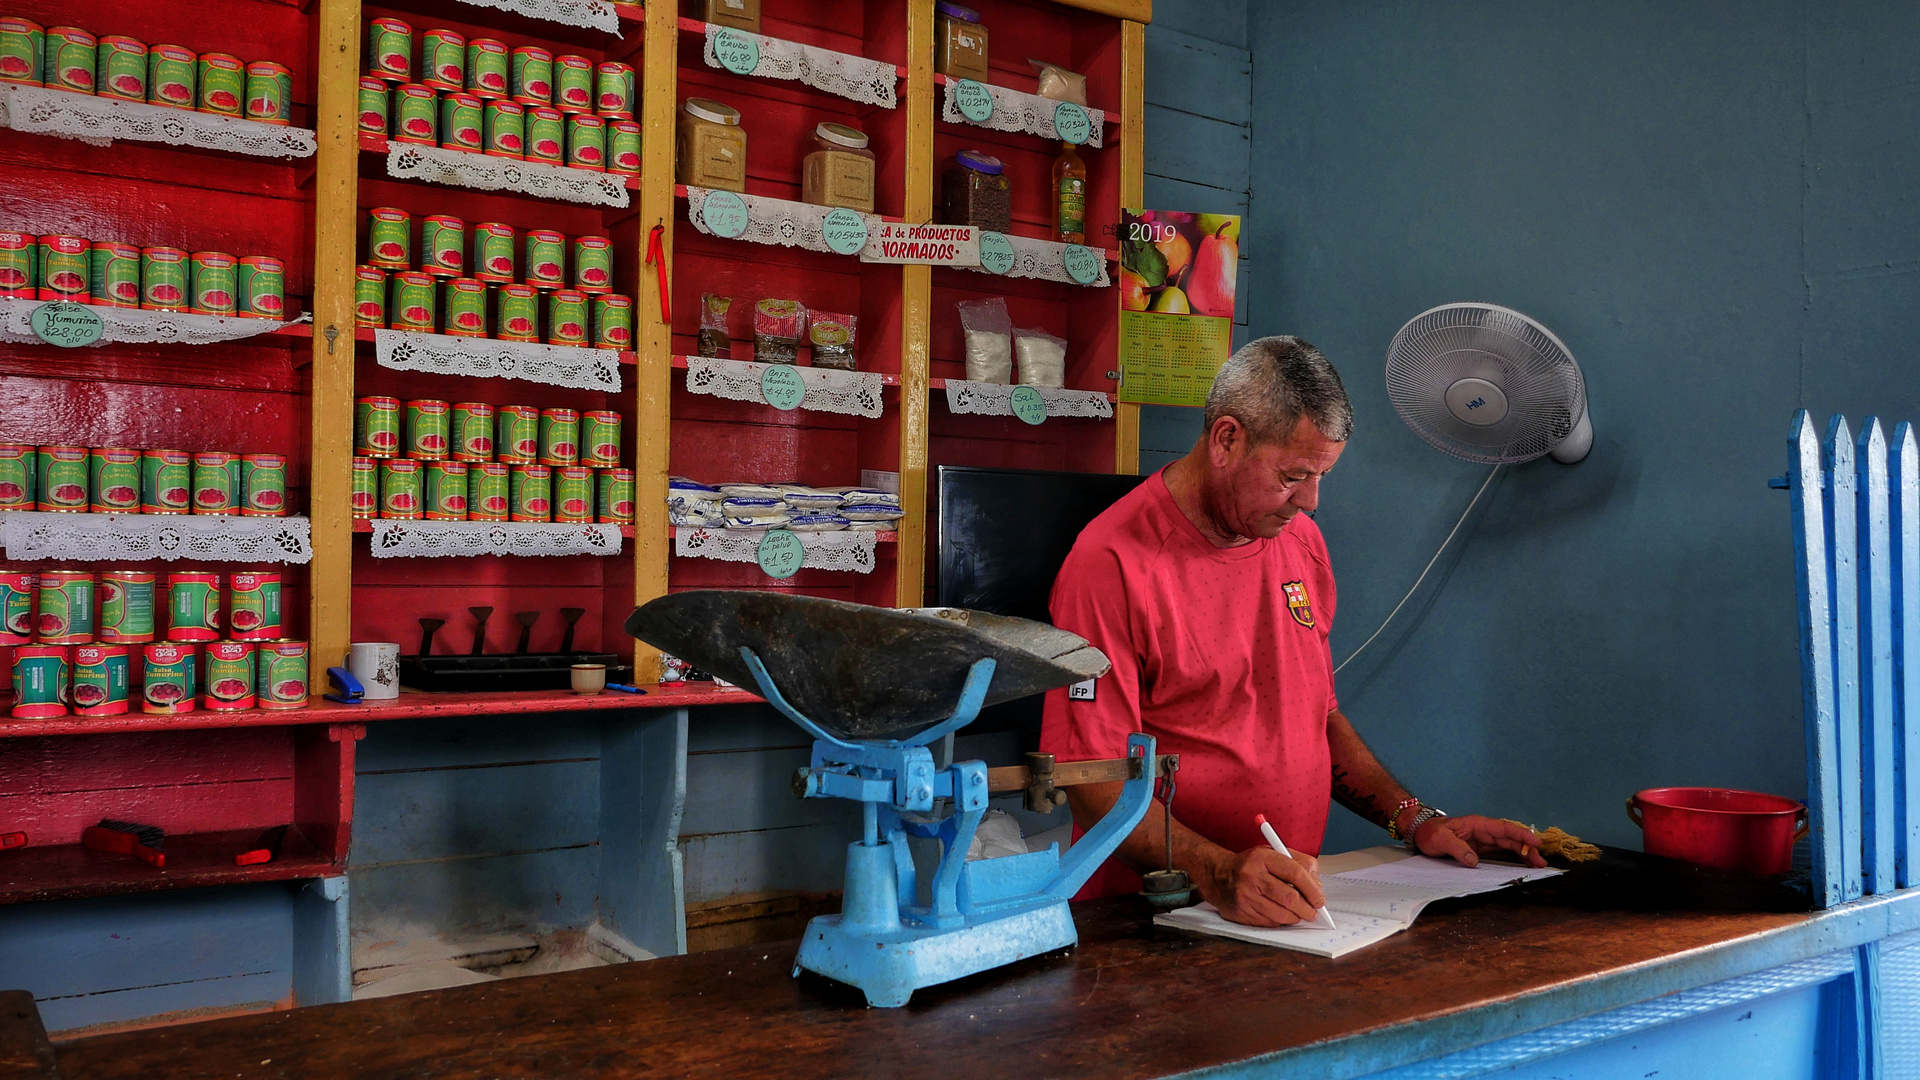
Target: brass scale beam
1042, 776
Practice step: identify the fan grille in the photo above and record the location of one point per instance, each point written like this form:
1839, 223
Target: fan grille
1545, 394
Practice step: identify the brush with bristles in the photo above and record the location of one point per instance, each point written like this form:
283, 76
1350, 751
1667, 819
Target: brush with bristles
143, 842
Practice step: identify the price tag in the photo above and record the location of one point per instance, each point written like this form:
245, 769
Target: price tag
67, 325
1072, 123
845, 230
1083, 263
1029, 406
974, 100
725, 214
737, 52
996, 252
781, 553
781, 385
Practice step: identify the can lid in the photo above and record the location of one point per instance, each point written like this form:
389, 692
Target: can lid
979, 162
956, 11
842, 135
712, 111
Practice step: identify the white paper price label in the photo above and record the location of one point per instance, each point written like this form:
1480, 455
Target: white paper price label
1029, 406
1072, 122
737, 52
725, 214
781, 385
974, 100
67, 325
1082, 263
781, 553
996, 252
845, 231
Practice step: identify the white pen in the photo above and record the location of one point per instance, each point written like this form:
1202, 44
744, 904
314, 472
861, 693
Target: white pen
1273, 838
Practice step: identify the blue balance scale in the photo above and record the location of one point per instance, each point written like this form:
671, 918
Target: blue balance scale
874, 687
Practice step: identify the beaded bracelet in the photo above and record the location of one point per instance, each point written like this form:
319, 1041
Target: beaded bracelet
1393, 819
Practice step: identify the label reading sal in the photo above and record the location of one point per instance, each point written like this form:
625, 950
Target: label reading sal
67, 325
934, 245
1029, 406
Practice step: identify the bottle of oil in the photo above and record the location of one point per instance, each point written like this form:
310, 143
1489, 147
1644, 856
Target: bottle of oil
1069, 197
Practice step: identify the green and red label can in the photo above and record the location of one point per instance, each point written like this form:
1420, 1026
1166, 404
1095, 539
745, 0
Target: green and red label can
121, 68
365, 500
389, 238
487, 68
167, 670
411, 307
19, 475
39, 681
262, 287
16, 602
254, 606
170, 76
444, 490
573, 84
427, 429
586, 142
369, 296
461, 118
215, 487
559, 436
529, 493
506, 129
18, 257
100, 680
230, 672
613, 504
193, 606
516, 436
566, 317
373, 107
216, 282
163, 279
612, 321
443, 60
269, 92
488, 491
116, 480
600, 439
546, 259
613, 90
126, 606
472, 431
66, 607
530, 76
223, 83
376, 426
592, 264
23, 50
415, 115
263, 485
623, 147
546, 135
65, 268
400, 489
466, 308
114, 275
517, 317
493, 252
572, 494
71, 59
63, 478
281, 674
389, 50
166, 482
443, 244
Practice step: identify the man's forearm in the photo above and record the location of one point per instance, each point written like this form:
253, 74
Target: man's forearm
1146, 847
1360, 782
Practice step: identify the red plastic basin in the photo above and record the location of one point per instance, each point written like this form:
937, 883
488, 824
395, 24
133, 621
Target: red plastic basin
1746, 832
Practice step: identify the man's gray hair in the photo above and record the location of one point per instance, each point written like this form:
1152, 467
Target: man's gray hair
1270, 383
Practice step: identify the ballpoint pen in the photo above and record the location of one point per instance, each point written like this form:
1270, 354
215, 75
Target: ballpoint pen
1273, 838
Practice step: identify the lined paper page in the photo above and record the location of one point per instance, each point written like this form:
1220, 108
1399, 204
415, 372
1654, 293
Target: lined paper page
1355, 931
1427, 874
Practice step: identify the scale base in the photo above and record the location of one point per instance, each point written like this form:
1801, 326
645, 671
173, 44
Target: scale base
889, 966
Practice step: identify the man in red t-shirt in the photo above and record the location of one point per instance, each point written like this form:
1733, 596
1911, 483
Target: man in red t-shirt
1213, 596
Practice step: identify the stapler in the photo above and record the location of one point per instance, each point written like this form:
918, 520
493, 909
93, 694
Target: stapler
346, 689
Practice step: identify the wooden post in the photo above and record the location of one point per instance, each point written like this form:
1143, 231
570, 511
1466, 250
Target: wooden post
1904, 509
916, 315
653, 371
1133, 191
1810, 543
1876, 659
1843, 570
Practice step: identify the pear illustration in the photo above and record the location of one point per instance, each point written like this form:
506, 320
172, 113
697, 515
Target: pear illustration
1172, 301
1211, 285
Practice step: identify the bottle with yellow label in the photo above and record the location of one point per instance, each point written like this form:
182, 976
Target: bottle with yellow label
1069, 197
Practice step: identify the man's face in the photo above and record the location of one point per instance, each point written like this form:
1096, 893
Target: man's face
1260, 486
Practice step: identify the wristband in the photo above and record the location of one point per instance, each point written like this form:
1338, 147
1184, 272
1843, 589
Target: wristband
1393, 818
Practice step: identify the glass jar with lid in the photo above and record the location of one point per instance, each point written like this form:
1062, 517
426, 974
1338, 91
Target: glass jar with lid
839, 170
959, 42
711, 147
977, 192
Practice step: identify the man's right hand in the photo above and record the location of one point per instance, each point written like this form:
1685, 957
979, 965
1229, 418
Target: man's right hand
1261, 887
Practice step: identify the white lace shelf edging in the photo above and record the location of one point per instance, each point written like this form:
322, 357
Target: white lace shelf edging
455, 539
1047, 261
853, 77
593, 14
133, 326
852, 550
854, 393
100, 120
461, 168
486, 358
775, 221
1015, 110
996, 399
29, 534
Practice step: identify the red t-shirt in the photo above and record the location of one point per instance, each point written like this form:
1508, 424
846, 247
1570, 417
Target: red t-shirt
1219, 653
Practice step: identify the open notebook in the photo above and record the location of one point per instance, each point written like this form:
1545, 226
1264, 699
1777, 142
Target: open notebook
1368, 905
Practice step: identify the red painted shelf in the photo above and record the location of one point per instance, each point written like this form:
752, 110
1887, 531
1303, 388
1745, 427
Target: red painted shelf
365, 333
695, 26
194, 860
365, 525
375, 144
680, 362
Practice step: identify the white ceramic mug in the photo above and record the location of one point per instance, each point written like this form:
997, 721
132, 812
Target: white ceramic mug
589, 678
377, 665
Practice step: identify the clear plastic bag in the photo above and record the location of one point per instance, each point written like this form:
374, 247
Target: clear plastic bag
715, 340
989, 335
1043, 358
832, 337
777, 328
1058, 83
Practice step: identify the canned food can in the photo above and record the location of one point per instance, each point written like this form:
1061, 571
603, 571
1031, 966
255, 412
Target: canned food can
114, 275
472, 431
427, 422
592, 264
612, 321
163, 279
269, 92
373, 107
39, 681
71, 54
23, 51
443, 60
487, 68
559, 436
193, 606
530, 76
16, 604
517, 318
546, 259
216, 282
487, 491
121, 68
460, 122
167, 674
572, 84
586, 142
65, 268
126, 606
115, 480
369, 296
166, 482
566, 317
263, 485
613, 90
466, 310
100, 680
516, 436
262, 287
493, 251
254, 606
572, 493
400, 489
171, 80
529, 493
411, 307
623, 147
444, 490
18, 257
443, 243
66, 607
215, 487
376, 426
613, 504
390, 50
415, 114
281, 674
505, 129
230, 671
546, 135
600, 439
19, 475
365, 500
223, 84
63, 479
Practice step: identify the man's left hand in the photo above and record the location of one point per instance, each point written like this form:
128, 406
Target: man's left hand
1470, 836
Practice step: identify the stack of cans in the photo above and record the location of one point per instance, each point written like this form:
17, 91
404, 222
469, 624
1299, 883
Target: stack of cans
122, 480
72, 59
108, 273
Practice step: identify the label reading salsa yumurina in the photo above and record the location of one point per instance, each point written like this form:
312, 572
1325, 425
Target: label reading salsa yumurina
215, 277
115, 473
64, 268
253, 606
19, 475
170, 76
223, 84
100, 680
230, 673
23, 48
167, 670
166, 482
263, 485
215, 490
63, 479
114, 278
121, 68
281, 674
163, 279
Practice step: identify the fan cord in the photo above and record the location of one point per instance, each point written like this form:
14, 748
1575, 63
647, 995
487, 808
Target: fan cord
1423, 573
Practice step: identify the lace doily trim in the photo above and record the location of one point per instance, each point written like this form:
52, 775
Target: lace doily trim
29, 534
1016, 110
459, 168
99, 120
853, 551
996, 399
853, 77
487, 358
454, 539
594, 14
133, 326
775, 221
854, 393
1047, 261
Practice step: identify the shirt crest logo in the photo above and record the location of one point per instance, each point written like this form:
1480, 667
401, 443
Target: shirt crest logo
1299, 605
